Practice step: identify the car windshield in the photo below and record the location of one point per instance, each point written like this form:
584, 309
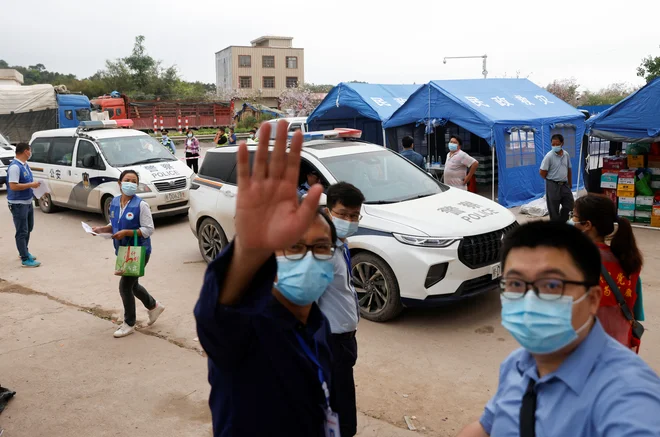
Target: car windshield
140, 149
383, 176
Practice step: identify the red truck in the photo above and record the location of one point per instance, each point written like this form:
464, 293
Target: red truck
172, 113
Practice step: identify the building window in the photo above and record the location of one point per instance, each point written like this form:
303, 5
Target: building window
245, 61
292, 82
245, 82
268, 61
520, 148
291, 62
269, 82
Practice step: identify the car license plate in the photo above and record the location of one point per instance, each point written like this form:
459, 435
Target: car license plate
496, 271
171, 197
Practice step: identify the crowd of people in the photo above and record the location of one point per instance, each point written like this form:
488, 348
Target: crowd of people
278, 313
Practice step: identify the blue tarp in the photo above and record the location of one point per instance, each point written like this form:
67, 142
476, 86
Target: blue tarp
635, 118
515, 116
361, 106
260, 108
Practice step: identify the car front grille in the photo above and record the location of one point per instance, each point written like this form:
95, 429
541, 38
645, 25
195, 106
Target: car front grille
172, 206
171, 185
481, 250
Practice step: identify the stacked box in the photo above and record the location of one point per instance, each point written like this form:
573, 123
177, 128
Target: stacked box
655, 217
635, 161
654, 162
655, 181
609, 179
627, 208
643, 217
643, 203
626, 183
614, 163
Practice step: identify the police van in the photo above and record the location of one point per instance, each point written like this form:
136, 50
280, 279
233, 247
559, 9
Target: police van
81, 167
419, 242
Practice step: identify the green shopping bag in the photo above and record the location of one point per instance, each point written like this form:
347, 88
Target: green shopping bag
130, 259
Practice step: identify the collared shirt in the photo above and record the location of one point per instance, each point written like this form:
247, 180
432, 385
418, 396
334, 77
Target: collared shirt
601, 390
413, 157
303, 189
339, 303
14, 176
556, 166
262, 383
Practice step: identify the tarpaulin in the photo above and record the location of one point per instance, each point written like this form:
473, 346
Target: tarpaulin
20, 99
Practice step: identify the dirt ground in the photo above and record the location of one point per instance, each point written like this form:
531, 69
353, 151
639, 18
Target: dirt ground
439, 365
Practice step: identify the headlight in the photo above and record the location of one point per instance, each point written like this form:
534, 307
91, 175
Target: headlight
143, 188
415, 240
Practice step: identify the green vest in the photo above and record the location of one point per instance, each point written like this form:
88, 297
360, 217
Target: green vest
226, 137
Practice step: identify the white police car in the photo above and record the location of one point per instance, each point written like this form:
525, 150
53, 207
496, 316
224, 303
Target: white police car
82, 166
419, 242
7, 154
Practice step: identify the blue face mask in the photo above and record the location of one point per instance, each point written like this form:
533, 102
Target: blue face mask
344, 227
304, 281
541, 326
129, 188
453, 147
556, 149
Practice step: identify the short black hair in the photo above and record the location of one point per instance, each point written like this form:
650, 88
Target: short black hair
407, 142
164, 132
561, 236
326, 217
21, 148
314, 172
129, 171
222, 128
559, 137
254, 131
346, 194
458, 139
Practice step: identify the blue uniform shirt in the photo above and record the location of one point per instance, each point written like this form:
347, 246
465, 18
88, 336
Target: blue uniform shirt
601, 390
262, 383
414, 157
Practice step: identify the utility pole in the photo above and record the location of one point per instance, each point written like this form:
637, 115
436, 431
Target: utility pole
484, 57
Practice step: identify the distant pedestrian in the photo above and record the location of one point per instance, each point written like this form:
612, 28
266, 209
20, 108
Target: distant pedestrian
129, 215
167, 142
459, 166
232, 137
595, 216
221, 138
340, 305
410, 154
192, 151
253, 134
19, 197
556, 170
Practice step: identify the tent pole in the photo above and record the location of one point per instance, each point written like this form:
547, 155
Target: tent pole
492, 176
384, 139
577, 187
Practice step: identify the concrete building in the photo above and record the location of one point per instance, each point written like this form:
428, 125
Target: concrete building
10, 77
261, 71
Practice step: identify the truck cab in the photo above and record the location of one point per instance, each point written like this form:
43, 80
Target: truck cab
114, 106
72, 109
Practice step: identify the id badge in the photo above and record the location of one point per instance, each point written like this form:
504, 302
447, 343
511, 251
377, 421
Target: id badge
331, 424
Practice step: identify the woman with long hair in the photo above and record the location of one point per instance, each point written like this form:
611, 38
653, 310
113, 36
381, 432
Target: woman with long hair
595, 215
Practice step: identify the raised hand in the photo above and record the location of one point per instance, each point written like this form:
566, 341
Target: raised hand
268, 214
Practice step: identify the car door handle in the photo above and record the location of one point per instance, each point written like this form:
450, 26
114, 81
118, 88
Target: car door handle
228, 193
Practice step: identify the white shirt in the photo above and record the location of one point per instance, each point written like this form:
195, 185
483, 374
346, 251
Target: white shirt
456, 168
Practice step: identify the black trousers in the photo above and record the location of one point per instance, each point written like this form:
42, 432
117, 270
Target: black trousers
129, 289
559, 199
342, 393
192, 163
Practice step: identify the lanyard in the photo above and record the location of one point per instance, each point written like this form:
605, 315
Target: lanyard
314, 357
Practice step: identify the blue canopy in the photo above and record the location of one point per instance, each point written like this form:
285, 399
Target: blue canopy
594, 109
515, 116
361, 106
634, 119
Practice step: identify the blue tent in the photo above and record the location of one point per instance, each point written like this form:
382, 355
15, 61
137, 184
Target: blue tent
594, 109
514, 116
361, 106
634, 119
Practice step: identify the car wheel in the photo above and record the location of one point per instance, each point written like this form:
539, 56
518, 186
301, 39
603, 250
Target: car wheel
211, 239
105, 208
46, 204
376, 286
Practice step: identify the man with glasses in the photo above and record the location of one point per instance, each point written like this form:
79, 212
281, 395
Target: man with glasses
570, 378
266, 338
340, 304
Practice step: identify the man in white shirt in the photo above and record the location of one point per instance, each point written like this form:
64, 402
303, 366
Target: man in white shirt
459, 166
556, 169
340, 305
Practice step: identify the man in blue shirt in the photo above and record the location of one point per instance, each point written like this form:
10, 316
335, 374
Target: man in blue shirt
410, 154
570, 378
19, 197
267, 341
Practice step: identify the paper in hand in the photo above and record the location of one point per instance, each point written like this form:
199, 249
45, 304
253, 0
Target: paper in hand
89, 230
41, 191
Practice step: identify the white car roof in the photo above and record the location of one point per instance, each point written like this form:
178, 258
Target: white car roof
319, 148
289, 119
94, 133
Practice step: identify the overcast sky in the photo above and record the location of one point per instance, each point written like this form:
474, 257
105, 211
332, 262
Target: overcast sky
597, 42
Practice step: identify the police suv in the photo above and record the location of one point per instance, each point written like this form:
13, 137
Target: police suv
419, 242
81, 167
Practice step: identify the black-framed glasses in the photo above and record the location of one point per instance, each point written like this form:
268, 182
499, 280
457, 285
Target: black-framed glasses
545, 288
320, 251
346, 216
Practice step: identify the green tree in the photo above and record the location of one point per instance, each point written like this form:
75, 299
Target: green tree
3, 64
142, 65
610, 95
649, 68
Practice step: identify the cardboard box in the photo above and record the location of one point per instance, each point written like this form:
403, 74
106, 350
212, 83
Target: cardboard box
646, 214
625, 190
635, 161
654, 161
627, 177
654, 171
625, 193
644, 220
655, 185
643, 203
615, 162
655, 221
611, 194
609, 179
626, 203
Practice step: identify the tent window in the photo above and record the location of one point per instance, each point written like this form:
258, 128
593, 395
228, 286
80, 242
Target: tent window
464, 135
520, 150
598, 148
568, 132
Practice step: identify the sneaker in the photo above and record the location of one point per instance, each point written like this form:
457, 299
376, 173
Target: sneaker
124, 330
31, 263
30, 257
155, 313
